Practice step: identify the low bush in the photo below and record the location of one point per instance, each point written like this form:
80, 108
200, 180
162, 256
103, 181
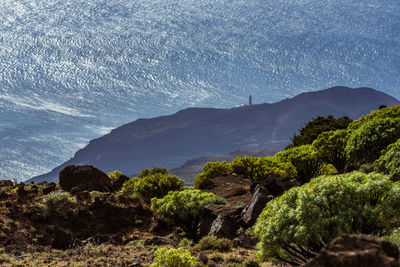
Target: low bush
128, 188
389, 162
156, 185
114, 175
58, 203
259, 168
210, 171
304, 159
330, 148
366, 143
171, 257
214, 243
184, 208
154, 170
297, 225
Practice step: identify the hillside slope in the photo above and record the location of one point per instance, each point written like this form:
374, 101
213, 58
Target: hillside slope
171, 140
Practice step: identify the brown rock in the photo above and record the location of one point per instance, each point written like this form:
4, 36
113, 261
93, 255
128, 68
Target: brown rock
6, 183
227, 222
51, 187
76, 179
117, 184
357, 250
61, 238
260, 198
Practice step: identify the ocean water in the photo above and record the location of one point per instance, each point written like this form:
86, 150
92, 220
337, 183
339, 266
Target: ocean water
71, 70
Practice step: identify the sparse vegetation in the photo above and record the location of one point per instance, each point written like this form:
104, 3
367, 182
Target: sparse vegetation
215, 243
171, 257
58, 203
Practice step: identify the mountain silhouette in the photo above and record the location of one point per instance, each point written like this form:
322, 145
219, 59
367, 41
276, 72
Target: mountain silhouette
171, 140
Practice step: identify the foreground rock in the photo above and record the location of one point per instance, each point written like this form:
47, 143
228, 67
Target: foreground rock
260, 198
76, 179
357, 250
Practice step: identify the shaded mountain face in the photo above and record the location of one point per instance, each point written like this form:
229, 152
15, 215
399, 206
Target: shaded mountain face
169, 141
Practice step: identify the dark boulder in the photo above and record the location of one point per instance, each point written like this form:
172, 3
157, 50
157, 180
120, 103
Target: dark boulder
61, 238
207, 217
274, 185
76, 179
117, 184
50, 187
260, 198
228, 221
357, 250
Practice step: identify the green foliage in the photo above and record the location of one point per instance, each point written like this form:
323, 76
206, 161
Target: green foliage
366, 143
185, 243
128, 188
317, 126
295, 226
156, 185
304, 159
210, 171
394, 237
154, 170
259, 168
184, 208
58, 203
215, 243
392, 112
330, 148
327, 169
389, 162
114, 175
171, 257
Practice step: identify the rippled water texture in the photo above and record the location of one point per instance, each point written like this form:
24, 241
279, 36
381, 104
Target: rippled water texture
70, 69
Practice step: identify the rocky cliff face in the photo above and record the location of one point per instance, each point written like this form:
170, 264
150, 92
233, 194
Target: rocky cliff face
169, 141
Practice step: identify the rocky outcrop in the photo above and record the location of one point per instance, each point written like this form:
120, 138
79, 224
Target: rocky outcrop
226, 223
76, 179
357, 250
260, 198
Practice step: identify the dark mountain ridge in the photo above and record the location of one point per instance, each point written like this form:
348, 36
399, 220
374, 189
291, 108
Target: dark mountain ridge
171, 140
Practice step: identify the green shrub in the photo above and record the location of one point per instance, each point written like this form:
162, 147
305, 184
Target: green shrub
315, 127
215, 243
156, 185
185, 243
394, 237
184, 208
327, 169
392, 112
128, 188
154, 170
389, 162
304, 159
114, 175
295, 226
366, 143
171, 257
58, 203
259, 168
210, 171
330, 148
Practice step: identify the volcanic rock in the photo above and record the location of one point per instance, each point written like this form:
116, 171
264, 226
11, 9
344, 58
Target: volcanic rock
357, 250
76, 179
